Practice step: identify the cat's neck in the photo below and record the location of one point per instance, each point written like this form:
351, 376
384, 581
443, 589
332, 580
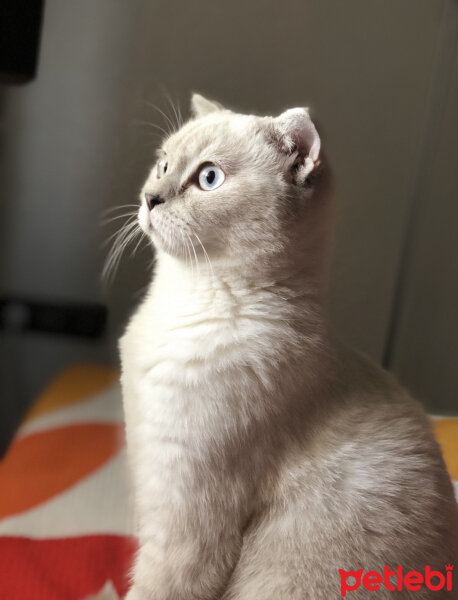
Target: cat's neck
220, 289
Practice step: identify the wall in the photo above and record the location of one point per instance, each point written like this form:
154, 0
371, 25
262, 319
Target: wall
75, 142
424, 345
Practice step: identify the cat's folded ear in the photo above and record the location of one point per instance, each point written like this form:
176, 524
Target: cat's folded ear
295, 134
200, 106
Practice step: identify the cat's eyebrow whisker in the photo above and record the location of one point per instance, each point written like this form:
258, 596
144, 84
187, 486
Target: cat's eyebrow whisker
180, 119
176, 110
180, 115
154, 126
156, 138
166, 117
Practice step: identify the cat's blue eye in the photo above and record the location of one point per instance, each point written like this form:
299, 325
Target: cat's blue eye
211, 177
161, 168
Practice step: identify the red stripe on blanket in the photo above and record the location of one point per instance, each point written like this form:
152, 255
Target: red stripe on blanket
63, 569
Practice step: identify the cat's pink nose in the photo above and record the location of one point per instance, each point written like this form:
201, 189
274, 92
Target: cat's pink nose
153, 200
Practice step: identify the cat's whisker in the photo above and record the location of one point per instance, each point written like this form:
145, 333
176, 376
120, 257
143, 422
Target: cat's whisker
175, 106
176, 110
107, 211
188, 254
128, 239
183, 239
109, 267
117, 217
154, 126
119, 237
117, 249
119, 233
138, 244
166, 117
191, 262
180, 115
195, 254
206, 254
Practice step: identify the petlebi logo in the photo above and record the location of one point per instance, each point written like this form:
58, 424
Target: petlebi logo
396, 579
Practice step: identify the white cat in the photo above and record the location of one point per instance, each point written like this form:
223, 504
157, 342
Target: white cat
265, 456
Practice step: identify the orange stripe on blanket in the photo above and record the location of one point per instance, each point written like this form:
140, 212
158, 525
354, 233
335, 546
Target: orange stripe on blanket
73, 385
44, 464
446, 431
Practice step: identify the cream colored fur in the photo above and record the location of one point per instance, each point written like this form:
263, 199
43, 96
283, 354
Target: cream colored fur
265, 456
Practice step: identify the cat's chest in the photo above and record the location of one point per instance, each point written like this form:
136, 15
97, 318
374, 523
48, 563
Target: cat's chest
183, 344
191, 359
176, 367
184, 391
178, 352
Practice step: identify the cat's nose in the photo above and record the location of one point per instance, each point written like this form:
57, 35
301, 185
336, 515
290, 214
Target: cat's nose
153, 200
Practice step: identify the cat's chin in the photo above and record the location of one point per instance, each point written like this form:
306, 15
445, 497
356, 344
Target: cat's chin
169, 247
162, 240
159, 243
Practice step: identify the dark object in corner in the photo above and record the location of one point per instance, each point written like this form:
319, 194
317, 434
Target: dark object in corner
20, 26
69, 318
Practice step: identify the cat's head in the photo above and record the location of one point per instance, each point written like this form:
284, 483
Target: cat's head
240, 188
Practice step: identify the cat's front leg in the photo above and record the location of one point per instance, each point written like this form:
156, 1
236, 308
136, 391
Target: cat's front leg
191, 501
193, 569
190, 533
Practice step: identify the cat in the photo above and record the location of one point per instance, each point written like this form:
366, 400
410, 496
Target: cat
265, 455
